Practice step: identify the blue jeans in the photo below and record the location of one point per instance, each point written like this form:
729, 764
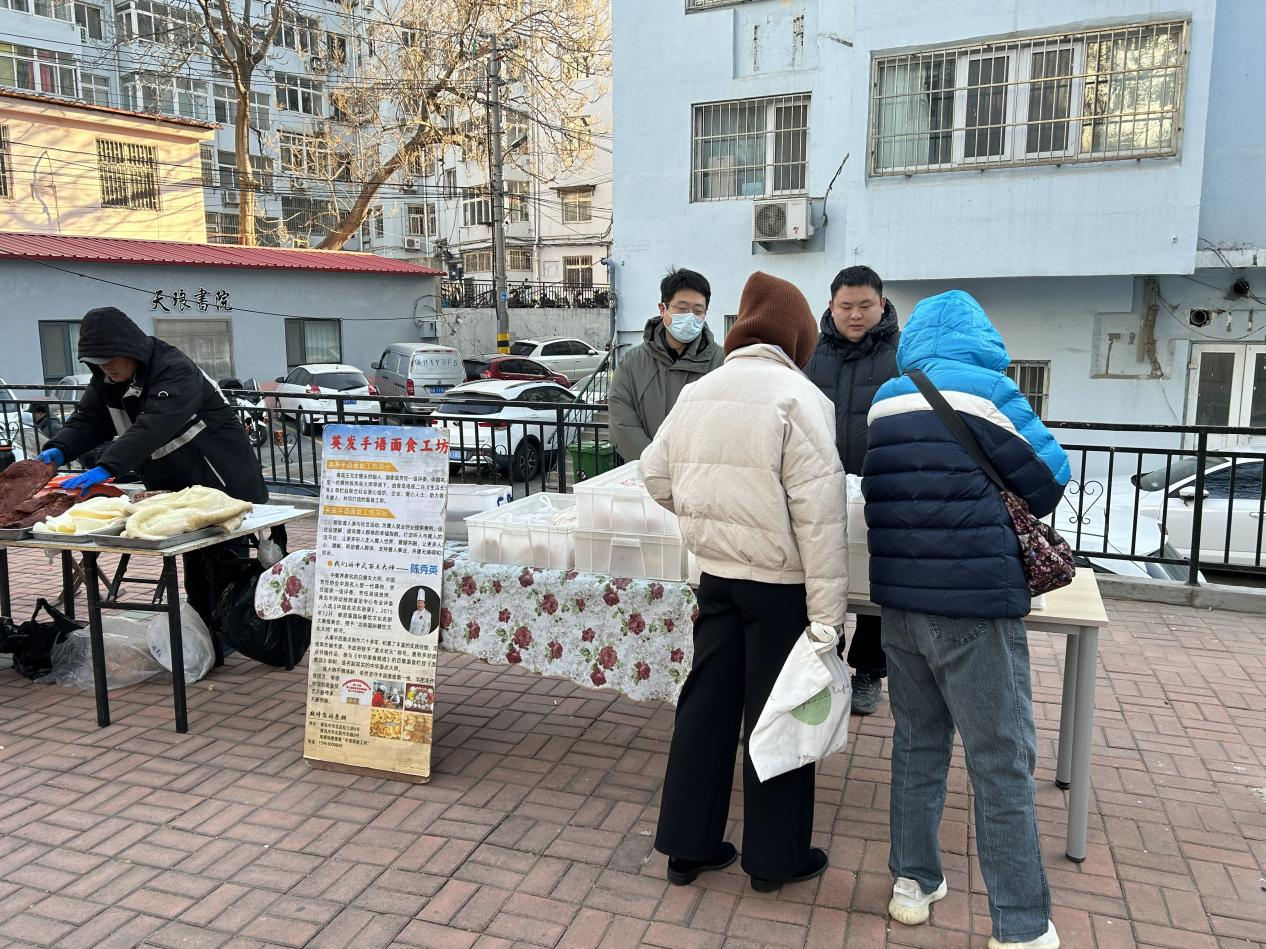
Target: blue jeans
973, 675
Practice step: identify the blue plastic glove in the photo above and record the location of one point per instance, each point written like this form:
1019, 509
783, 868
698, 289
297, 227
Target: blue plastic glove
52, 456
87, 481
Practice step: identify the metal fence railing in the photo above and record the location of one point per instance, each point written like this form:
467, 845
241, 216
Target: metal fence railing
1149, 500
526, 293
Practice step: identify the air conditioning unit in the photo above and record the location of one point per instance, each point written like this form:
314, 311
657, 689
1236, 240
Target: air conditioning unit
298, 185
407, 186
781, 219
413, 243
229, 198
317, 64
83, 34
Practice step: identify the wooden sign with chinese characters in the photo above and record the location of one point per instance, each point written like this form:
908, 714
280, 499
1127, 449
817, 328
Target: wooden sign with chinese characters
375, 623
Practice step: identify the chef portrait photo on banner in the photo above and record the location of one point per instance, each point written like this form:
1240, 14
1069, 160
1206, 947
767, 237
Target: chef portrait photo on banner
420, 610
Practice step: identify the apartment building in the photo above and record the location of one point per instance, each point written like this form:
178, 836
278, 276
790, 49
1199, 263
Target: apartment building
1084, 169
134, 55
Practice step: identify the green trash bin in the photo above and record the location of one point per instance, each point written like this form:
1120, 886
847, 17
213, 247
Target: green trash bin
589, 459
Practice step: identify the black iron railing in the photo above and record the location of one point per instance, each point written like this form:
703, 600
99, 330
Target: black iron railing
1163, 501
471, 293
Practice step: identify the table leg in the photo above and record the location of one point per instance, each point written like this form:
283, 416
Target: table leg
1067, 710
172, 588
99, 684
1083, 735
68, 584
208, 564
6, 605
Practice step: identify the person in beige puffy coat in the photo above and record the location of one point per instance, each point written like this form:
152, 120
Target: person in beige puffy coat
747, 461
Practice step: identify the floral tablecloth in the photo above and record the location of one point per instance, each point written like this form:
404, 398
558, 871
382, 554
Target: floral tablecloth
613, 632
608, 632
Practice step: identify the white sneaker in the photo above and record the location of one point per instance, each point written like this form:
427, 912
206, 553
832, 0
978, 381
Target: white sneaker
1048, 940
909, 904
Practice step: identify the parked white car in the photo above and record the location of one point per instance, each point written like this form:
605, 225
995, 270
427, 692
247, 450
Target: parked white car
319, 379
574, 358
1125, 540
1231, 529
517, 439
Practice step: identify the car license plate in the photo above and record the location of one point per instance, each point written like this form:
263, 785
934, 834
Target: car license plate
350, 402
436, 390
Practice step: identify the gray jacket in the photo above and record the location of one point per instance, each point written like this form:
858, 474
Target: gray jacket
648, 382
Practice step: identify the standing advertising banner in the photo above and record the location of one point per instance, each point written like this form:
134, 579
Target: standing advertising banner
376, 612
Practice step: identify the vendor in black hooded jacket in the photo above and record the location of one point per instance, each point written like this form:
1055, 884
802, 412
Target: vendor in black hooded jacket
855, 355
161, 417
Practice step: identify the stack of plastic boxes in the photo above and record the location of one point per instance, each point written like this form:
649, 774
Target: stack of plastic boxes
622, 532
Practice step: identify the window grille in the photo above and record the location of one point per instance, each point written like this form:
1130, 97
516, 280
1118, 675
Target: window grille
1100, 95
750, 148
1033, 378
129, 175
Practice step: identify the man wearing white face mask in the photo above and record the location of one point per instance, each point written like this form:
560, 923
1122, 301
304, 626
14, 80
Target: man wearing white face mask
678, 349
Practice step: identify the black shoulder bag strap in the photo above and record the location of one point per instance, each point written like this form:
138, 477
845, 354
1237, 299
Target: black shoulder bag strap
958, 428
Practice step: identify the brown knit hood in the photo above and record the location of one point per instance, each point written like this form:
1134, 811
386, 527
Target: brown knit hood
775, 312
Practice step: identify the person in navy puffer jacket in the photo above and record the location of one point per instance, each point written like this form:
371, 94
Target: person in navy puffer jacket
945, 568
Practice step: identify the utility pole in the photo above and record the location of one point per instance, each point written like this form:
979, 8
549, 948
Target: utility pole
496, 183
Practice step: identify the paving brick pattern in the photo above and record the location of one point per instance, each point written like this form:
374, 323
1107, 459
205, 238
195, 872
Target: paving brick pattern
537, 827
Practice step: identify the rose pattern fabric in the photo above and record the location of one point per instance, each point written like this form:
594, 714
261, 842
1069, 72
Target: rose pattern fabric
287, 587
597, 631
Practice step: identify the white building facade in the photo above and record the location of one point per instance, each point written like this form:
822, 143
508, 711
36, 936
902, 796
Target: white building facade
1083, 169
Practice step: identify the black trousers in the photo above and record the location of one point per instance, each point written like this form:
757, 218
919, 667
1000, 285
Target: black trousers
865, 650
743, 635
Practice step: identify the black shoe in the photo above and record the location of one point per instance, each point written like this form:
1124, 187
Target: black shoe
867, 689
817, 865
683, 872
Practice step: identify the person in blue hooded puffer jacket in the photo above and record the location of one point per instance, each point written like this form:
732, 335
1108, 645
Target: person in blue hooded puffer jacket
945, 568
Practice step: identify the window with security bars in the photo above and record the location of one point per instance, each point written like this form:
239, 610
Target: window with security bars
222, 228
477, 261
129, 175
1033, 378
578, 271
519, 258
750, 148
6, 164
1098, 95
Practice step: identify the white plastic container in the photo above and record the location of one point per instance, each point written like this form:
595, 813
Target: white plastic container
856, 511
638, 556
466, 500
617, 501
536, 531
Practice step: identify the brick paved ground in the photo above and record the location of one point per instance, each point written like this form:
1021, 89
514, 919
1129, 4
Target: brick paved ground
536, 829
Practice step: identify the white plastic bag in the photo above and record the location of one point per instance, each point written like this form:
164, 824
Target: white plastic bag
270, 552
806, 716
195, 641
127, 656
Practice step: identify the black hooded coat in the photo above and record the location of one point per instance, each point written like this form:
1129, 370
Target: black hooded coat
849, 374
170, 423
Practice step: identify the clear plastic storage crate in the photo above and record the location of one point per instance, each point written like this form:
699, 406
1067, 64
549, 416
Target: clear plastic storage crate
466, 500
639, 556
536, 531
617, 501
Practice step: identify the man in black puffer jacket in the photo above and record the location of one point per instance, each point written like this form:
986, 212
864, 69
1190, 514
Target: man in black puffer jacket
856, 354
158, 414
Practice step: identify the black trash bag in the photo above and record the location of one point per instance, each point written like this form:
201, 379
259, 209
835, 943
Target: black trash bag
32, 642
240, 626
